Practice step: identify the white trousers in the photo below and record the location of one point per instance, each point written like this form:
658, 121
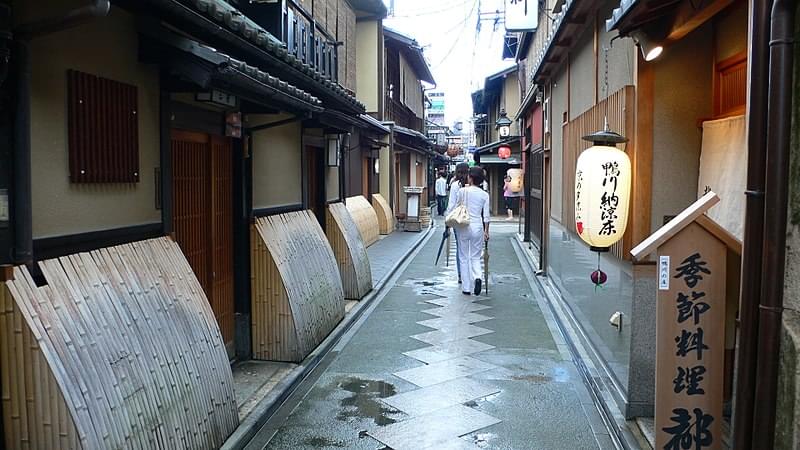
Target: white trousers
470, 248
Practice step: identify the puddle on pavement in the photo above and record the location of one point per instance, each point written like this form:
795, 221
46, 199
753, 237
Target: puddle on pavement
321, 442
478, 402
533, 378
481, 439
364, 403
501, 278
439, 286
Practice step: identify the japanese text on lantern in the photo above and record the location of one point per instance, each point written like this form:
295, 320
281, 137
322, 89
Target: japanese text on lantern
578, 201
609, 200
691, 429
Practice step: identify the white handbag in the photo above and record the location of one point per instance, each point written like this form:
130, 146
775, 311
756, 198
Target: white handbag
459, 216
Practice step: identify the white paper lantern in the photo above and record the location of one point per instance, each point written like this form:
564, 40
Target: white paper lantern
602, 193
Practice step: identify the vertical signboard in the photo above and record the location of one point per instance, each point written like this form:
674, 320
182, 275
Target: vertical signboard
521, 15
690, 340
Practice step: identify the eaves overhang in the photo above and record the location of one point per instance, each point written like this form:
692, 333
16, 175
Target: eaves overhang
219, 22
413, 52
566, 29
207, 67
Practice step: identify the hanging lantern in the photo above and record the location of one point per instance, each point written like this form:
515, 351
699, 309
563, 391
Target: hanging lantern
504, 152
602, 191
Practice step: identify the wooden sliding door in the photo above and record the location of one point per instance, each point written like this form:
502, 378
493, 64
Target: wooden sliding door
202, 175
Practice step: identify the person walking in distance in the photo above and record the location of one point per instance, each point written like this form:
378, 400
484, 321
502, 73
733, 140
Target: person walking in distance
441, 193
459, 181
471, 237
508, 198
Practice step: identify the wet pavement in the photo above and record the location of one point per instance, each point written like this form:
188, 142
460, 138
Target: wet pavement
431, 368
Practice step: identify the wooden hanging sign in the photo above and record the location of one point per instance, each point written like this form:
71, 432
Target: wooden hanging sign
690, 328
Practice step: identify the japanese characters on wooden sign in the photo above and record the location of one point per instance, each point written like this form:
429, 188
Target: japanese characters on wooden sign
690, 340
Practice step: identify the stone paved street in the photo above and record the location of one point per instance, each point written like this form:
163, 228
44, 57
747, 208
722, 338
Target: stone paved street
430, 368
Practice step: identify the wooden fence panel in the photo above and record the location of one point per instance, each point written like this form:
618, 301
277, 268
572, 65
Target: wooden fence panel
350, 251
384, 213
297, 295
619, 108
365, 217
130, 353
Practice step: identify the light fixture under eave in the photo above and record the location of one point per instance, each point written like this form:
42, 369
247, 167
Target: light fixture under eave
650, 49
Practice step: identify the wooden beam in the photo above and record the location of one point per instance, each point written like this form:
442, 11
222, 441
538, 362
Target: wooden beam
687, 18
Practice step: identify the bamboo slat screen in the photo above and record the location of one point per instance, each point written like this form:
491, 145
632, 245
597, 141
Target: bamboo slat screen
619, 107
350, 251
103, 130
297, 295
123, 351
365, 217
384, 213
730, 97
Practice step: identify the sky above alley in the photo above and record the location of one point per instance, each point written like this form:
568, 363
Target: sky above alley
461, 52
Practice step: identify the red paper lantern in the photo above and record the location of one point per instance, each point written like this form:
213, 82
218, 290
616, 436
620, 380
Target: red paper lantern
504, 152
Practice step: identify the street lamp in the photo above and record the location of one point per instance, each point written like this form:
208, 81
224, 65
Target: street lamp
602, 194
503, 125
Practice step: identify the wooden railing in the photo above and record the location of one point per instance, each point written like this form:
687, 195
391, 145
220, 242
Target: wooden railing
619, 107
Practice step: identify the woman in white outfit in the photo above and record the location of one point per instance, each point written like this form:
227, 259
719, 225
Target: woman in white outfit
472, 237
459, 181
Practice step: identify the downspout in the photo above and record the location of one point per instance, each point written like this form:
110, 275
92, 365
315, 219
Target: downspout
22, 197
779, 116
23, 216
747, 357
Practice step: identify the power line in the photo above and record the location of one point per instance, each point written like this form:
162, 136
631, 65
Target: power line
463, 25
428, 12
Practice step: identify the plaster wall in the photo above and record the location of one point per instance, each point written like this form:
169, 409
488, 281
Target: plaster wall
682, 96
277, 162
59, 206
367, 62
787, 428
558, 106
621, 57
582, 74
511, 99
730, 31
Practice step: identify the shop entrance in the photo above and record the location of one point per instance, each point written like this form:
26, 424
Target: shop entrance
202, 186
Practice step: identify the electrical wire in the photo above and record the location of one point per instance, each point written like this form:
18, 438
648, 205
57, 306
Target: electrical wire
463, 25
427, 12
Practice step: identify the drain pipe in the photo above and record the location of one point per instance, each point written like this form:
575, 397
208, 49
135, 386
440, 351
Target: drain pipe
776, 209
98, 8
22, 196
746, 358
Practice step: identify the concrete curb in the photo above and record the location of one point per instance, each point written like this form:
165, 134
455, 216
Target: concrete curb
265, 408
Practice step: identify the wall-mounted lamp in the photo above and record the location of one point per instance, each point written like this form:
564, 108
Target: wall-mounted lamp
332, 150
503, 124
650, 50
377, 166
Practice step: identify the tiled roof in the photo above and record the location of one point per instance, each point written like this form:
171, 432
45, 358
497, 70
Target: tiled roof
275, 83
235, 21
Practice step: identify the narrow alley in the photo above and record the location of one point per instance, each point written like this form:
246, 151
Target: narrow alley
430, 368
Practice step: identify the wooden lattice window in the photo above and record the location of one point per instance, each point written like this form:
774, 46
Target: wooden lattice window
103, 130
730, 82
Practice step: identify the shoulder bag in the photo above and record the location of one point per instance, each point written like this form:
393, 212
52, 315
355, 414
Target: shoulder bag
459, 216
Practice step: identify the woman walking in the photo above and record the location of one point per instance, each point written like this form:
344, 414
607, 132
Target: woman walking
508, 197
459, 181
471, 238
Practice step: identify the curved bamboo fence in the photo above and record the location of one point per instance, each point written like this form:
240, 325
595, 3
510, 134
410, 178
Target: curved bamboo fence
384, 213
364, 217
119, 349
297, 296
350, 251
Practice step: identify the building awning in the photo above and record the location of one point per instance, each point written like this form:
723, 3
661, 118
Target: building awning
374, 124
494, 159
511, 142
221, 22
207, 68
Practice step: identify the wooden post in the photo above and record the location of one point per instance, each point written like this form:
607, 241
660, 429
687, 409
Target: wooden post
692, 285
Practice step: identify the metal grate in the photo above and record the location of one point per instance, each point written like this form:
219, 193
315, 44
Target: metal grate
103, 130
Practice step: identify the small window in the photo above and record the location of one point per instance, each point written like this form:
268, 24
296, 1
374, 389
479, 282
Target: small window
103, 130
